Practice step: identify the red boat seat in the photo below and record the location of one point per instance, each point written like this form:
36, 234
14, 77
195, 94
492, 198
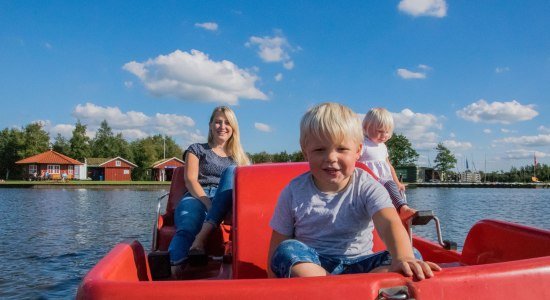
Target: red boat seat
488, 241
166, 228
256, 192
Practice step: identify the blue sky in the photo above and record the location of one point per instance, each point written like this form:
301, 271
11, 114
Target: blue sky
474, 75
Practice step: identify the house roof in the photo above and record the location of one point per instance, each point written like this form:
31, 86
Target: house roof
49, 157
100, 161
160, 162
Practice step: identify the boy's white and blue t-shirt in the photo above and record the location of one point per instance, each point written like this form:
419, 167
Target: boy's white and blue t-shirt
336, 224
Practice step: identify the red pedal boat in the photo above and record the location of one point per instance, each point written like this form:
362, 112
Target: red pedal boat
499, 260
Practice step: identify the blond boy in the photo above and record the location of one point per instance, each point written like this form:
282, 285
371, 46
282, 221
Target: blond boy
324, 218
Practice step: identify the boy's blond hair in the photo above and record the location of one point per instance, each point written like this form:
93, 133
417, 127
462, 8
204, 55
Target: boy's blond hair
234, 143
331, 121
375, 119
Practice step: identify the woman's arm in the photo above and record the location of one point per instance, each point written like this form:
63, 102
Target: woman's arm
192, 179
392, 232
276, 239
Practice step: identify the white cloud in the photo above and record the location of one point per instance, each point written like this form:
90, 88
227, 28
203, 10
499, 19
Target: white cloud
456, 145
66, 130
497, 112
128, 84
528, 141
417, 8
418, 128
544, 129
134, 125
194, 76
278, 77
262, 127
452, 134
499, 70
487, 130
504, 130
524, 154
273, 49
208, 26
94, 115
424, 67
406, 74
48, 45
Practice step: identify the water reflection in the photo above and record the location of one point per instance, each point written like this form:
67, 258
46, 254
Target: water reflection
459, 208
51, 238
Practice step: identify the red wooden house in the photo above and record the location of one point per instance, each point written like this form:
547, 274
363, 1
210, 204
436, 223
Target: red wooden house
49, 165
110, 169
163, 169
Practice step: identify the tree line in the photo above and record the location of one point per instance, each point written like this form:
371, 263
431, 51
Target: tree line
32, 139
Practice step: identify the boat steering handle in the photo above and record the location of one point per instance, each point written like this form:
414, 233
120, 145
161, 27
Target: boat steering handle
422, 217
156, 223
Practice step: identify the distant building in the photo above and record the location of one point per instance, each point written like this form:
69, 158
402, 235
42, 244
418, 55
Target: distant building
110, 169
469, 176
163, 169
51, 165
414, 174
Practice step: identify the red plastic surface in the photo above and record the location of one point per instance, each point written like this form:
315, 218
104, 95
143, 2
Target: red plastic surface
513, 261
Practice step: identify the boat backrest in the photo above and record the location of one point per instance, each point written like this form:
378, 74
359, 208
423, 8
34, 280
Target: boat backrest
491, 241
177, 189
256, 192
165, 228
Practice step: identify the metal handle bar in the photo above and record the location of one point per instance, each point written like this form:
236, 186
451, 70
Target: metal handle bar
156, 223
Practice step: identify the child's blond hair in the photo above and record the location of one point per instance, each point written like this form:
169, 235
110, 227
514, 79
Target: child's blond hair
331, 121
376, 119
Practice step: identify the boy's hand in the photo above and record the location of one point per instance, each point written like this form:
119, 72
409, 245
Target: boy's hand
412, 266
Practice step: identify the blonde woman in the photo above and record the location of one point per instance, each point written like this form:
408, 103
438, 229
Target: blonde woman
209, 180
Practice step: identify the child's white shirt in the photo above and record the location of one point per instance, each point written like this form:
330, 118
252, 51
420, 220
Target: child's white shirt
375, 157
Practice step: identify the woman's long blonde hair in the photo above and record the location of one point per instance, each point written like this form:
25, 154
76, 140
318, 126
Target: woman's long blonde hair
233, 145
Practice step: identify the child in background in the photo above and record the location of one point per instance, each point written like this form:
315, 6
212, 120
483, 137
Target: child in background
378, 129
323, 220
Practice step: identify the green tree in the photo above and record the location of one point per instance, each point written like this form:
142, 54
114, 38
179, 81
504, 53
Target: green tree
103, 144
11, 150
297, 156
80, 143
401, 152
35, 140
61, 145
281, 157
120, 147
261, 157
145, 154
150, 150
444, 161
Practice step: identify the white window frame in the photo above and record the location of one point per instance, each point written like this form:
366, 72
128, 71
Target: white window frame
118, 163
53, 169
126, 172
70, 169
33, 169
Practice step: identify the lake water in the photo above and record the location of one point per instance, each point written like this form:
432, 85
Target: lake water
52, 237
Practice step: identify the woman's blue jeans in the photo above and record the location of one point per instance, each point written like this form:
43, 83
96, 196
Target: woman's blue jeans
191, 213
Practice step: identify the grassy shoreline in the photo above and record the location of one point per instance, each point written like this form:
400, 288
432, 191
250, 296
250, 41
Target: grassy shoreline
84, 184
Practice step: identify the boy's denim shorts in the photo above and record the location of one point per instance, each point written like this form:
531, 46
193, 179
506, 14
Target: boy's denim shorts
291, 252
